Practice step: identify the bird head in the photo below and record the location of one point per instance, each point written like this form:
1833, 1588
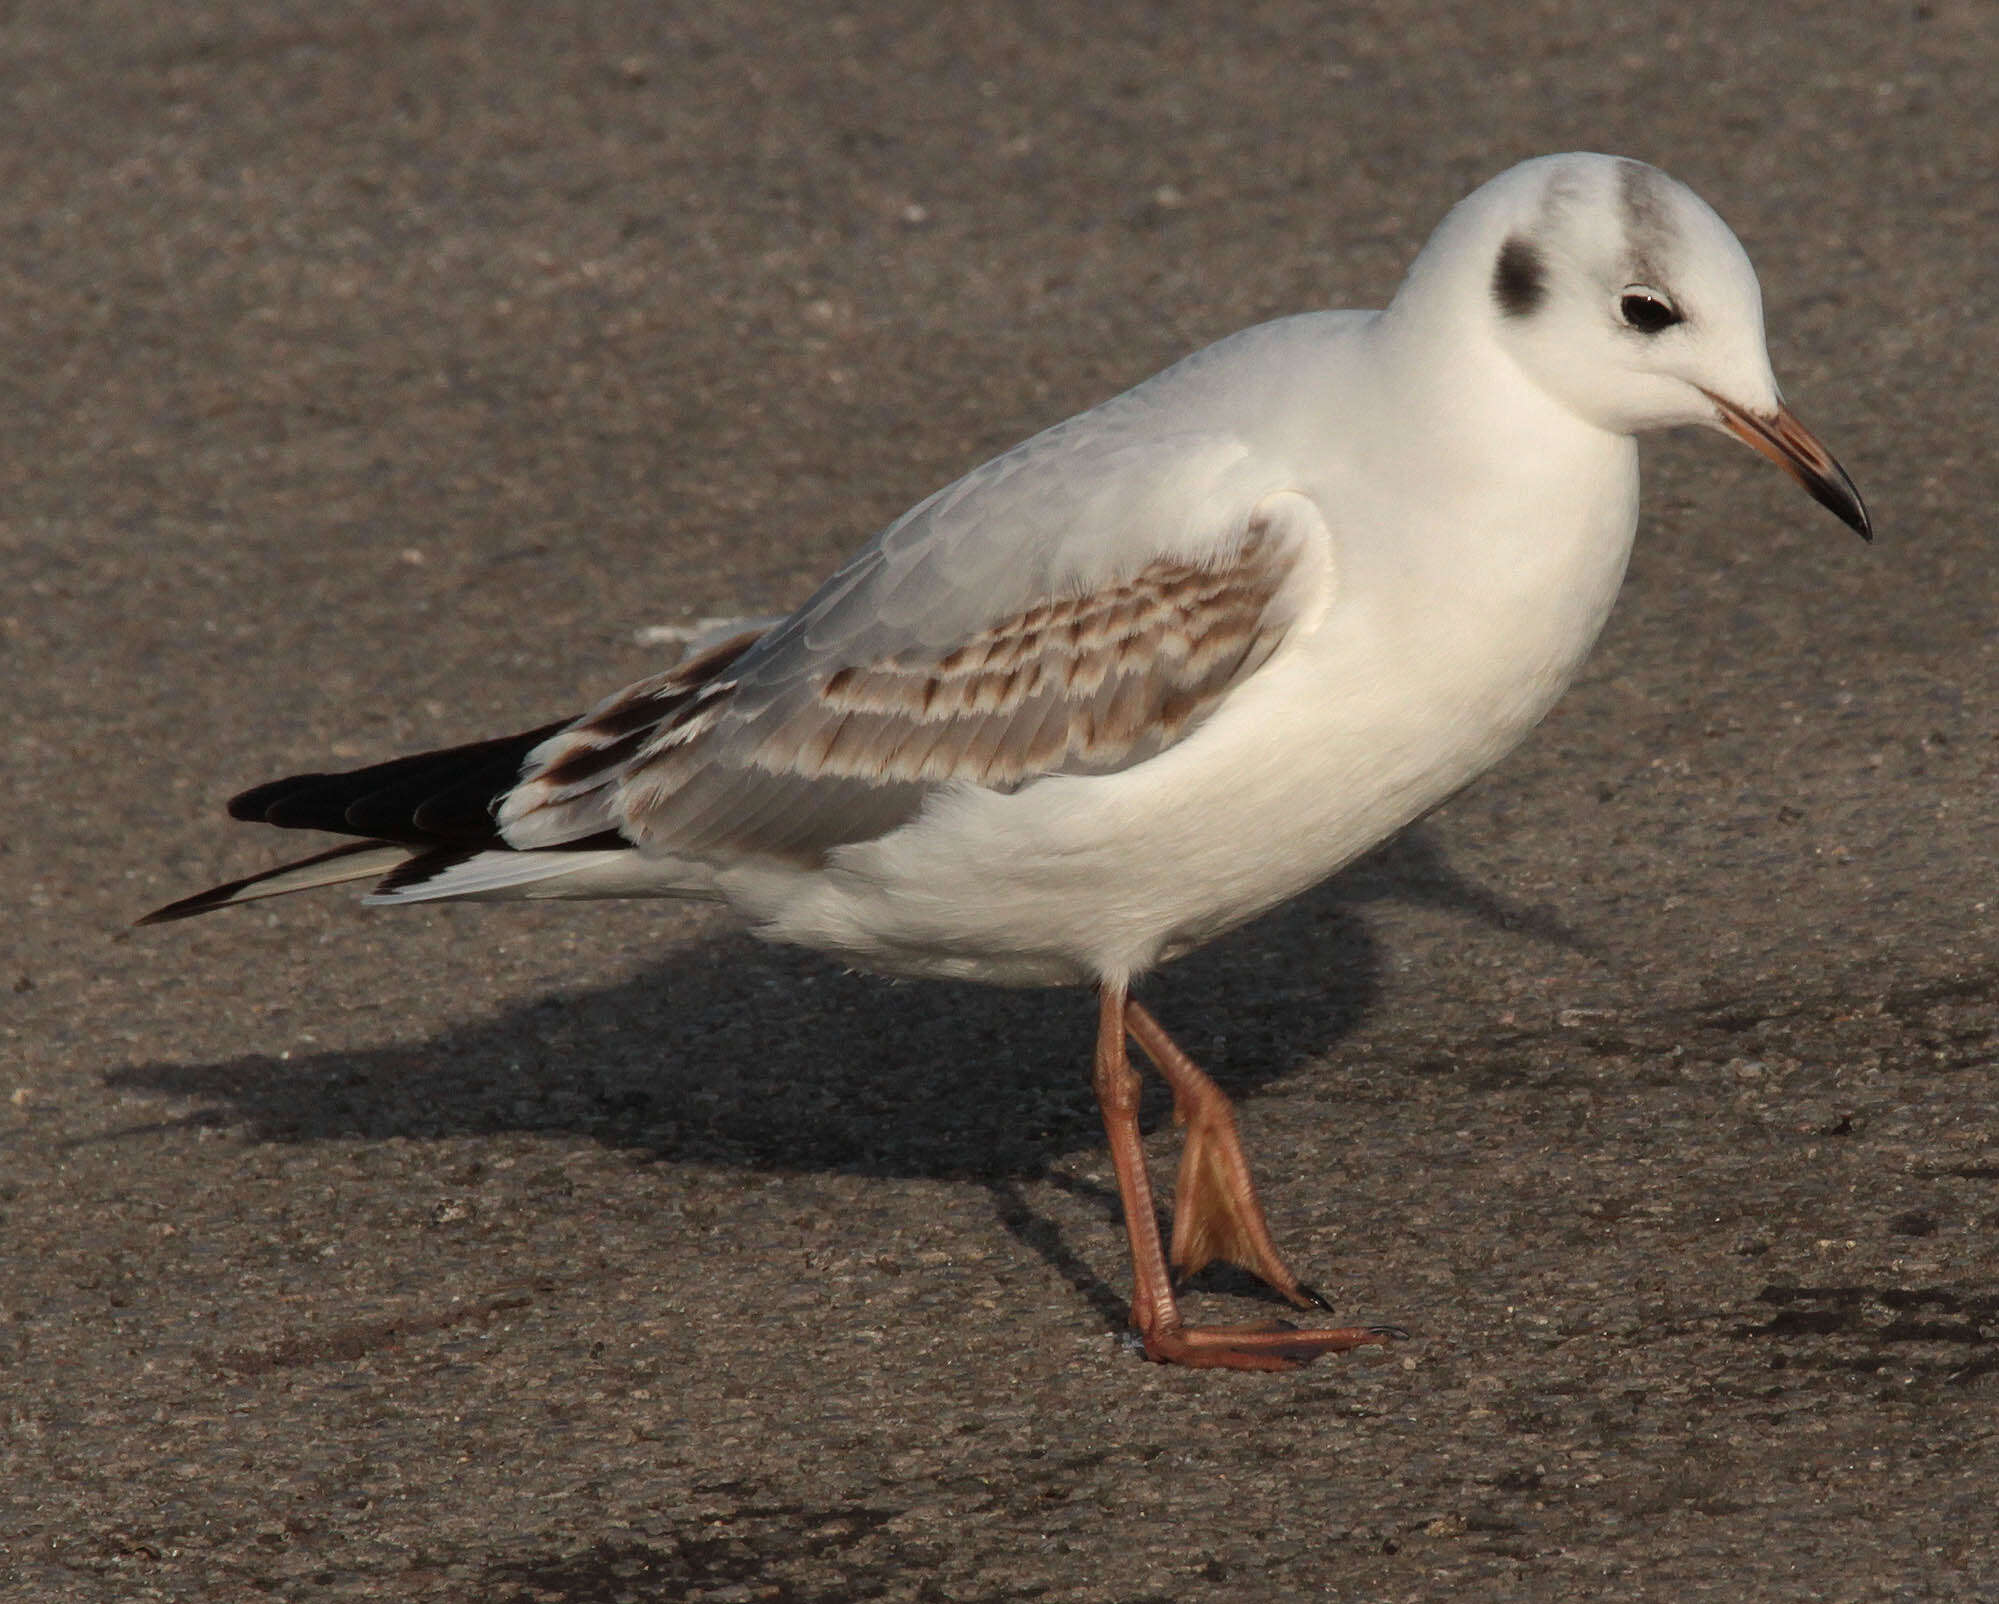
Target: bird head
1623, 296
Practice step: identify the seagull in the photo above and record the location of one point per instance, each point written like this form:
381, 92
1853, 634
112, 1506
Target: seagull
1151, 672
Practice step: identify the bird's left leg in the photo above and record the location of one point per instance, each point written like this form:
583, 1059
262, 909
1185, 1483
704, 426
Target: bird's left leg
1216, 1214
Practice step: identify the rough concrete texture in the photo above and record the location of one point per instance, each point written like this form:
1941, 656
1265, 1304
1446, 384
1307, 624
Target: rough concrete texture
373, 375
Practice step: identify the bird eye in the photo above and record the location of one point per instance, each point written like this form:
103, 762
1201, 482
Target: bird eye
1647, 311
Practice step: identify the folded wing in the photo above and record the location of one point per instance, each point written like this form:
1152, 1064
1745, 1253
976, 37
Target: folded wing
809, 742
1073, 607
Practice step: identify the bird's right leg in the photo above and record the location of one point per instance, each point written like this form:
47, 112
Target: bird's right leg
1155, 1312
1216, 1212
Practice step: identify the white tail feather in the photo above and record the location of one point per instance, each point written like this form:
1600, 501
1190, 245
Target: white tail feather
515, 876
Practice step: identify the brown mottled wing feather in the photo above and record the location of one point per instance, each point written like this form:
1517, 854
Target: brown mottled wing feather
1076, 682
1073, 684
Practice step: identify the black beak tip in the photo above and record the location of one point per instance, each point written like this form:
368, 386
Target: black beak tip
1843, 501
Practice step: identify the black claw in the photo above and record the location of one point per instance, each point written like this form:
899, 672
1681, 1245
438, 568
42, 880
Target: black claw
1314, 1296
1393, 1333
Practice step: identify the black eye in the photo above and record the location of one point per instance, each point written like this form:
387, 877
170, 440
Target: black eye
1646, 312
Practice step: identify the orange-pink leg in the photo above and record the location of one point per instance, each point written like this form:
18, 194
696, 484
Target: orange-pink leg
1231, 1216
1216, 1214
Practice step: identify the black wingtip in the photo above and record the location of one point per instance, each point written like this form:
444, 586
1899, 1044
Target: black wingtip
253, 805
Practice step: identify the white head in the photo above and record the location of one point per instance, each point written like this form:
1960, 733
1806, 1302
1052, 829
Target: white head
1622, 295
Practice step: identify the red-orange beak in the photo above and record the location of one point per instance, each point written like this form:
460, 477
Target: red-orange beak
1796, 450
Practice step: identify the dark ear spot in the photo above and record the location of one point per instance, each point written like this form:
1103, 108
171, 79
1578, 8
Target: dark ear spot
1519, 278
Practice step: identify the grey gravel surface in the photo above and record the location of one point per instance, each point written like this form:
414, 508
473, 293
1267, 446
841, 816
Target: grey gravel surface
373, 376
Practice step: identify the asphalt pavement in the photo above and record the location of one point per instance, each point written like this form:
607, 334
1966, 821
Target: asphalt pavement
383, 376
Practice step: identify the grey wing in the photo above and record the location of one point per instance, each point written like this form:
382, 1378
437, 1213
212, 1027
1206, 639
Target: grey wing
1073, 607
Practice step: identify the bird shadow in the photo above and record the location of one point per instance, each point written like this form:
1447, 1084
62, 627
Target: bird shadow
736, 1054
